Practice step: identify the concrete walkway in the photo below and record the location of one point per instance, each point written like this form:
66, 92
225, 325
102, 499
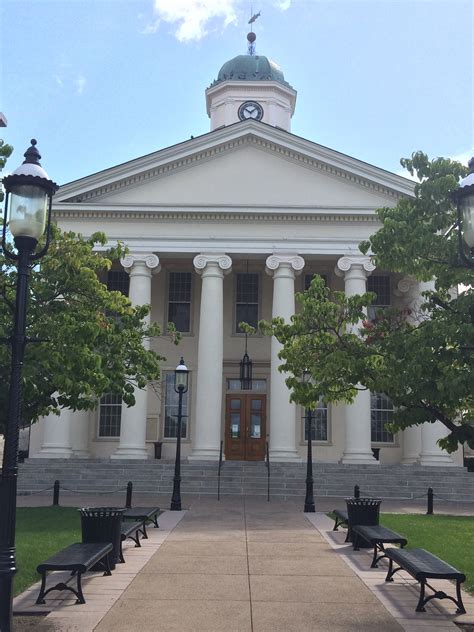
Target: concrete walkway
246, 565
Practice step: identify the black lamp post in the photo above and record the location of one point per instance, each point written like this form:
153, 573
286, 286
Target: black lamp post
29, 193
309, 498
464, 198
181, 374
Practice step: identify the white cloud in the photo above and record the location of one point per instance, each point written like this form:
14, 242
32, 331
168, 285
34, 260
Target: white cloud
58, 80
80, 84
192, 17
283, 5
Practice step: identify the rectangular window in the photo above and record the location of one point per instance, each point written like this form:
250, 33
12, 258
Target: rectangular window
110, 415
257, 385
319, 426
380, 285
381, 413
118, 281
170, 430
246, 300
179, 300
309, 277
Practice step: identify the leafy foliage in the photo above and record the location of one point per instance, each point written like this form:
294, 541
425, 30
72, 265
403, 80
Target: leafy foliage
5, 152
422, 358
90, 338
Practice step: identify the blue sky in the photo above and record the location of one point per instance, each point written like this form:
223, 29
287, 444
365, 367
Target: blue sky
100, 82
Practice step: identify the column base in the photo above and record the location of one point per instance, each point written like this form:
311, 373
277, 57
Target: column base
205, 454
284, 456
137, 454
436, 459
359, 458
81, 454
53, 452
410, 460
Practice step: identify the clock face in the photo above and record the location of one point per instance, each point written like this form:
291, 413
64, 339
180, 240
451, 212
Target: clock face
250, 110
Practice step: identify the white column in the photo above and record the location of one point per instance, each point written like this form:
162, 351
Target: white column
408, 289
283, 268
56, 436
357, 450
420, 442
208, 417
431, 453
133, 423
80, 433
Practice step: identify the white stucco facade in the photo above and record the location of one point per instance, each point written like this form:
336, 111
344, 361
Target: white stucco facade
248, 197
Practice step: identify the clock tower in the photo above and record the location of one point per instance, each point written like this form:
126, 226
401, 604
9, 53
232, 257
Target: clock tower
250, 87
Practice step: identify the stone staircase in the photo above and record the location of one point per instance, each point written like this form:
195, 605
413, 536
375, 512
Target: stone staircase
246, 478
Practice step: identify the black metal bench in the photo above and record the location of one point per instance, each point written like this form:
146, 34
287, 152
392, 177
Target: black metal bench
77, 558
423, 565
377, 536
144, 515
340, 519
130, 530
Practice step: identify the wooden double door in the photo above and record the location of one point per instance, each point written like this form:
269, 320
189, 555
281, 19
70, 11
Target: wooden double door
245, 427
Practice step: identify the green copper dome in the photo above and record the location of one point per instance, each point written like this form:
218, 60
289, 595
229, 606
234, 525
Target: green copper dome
250, 68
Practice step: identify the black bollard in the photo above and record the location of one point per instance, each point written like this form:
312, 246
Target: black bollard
128, 500
429, 511
356, 491
56, 494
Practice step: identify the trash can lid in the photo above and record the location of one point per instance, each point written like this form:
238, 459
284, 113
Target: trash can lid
101, 511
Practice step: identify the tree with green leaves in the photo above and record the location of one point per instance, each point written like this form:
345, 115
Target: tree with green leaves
85, 339
421, 357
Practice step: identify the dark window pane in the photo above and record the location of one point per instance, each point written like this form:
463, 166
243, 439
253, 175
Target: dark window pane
319, 426
246, 300
380, 284
179, 300
110, 414
118, 281
180, 315
381, 414
171, 410
246, 314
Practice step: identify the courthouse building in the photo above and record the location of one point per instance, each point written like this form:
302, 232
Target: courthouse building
223, 228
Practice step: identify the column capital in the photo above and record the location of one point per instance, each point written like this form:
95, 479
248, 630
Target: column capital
350, 263
406, 285
220, 260
146, 260
293, 262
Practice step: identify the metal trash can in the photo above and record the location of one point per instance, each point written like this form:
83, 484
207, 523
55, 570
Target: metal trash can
103, 524
363, 511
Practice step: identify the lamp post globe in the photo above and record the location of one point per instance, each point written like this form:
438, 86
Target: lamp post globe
464, 198
27, 216
181, 376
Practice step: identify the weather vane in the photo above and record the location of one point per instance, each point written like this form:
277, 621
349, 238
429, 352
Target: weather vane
251, 37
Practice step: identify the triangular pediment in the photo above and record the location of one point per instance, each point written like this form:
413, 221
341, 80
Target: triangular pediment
247, 164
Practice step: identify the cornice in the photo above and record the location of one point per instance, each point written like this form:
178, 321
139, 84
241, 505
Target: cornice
208, 146
80, 211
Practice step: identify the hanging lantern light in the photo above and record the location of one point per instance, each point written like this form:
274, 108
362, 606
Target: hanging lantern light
246, 370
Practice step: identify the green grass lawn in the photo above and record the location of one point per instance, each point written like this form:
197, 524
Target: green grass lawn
449, 537
40, 532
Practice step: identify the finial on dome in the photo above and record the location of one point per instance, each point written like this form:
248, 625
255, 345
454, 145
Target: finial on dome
251, 37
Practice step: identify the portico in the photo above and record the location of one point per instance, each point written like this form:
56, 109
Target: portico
226, 227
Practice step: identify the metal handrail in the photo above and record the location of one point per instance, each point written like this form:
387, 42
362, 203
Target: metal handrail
267, 465
219, 473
